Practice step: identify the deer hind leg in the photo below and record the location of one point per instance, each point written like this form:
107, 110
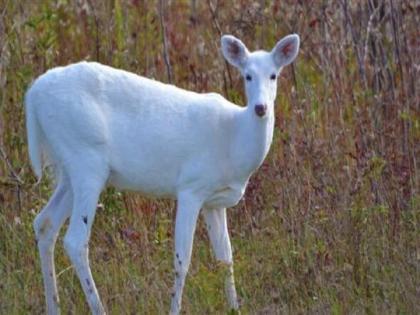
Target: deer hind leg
87, 184
47, 226
186, 220
216, 223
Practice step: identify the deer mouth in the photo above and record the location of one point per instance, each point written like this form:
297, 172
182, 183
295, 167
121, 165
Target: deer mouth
260, 110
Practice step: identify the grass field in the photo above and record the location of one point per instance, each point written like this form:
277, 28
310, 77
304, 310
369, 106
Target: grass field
330, 224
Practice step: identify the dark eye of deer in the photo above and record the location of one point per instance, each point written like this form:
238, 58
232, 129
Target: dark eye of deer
273, 77
248, 77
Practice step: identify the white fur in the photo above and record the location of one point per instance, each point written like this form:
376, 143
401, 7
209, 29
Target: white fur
102, 126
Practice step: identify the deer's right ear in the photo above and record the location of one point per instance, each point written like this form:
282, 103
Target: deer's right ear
234, 51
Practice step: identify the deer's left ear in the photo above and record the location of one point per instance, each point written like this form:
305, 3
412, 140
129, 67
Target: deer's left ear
286, 50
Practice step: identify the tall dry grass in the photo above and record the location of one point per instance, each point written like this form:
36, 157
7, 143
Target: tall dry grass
329, 224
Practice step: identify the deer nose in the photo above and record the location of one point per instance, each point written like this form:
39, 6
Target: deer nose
260, 109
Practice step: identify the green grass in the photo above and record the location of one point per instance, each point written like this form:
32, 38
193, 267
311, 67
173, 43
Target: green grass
330, 224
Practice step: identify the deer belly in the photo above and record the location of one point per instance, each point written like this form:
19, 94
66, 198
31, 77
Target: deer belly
145, 182
224, 198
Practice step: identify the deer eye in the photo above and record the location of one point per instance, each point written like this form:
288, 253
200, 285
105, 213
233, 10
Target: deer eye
273, 77
248, 77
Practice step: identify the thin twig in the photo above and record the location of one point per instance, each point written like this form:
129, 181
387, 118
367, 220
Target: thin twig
15, 176
400, 68
63, 271
217, 26
96, 20
9, 166
165, 44
369, 31
213, 16
355, 44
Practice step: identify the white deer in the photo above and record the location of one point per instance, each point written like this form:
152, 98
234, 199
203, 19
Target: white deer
101, 126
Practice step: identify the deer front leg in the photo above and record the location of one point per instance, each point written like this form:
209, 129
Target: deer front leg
219, 236
186, 220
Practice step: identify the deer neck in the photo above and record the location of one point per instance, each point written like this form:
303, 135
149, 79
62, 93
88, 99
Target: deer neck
254, 139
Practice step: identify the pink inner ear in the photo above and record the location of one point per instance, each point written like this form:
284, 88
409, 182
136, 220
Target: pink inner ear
287, 49
234, 49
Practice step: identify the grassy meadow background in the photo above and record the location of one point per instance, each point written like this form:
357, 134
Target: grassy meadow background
330, 224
